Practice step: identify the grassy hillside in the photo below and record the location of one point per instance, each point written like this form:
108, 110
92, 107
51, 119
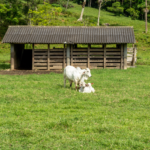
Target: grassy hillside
37, 112
69, 18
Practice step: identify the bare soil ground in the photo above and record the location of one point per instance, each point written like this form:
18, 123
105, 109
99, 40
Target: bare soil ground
25, 72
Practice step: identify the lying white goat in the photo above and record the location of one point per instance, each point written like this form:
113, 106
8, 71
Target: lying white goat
76, 75
87, 88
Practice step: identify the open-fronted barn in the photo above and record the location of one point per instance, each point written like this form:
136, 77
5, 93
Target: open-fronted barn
56, 59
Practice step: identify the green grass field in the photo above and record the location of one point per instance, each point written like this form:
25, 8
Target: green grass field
37, 112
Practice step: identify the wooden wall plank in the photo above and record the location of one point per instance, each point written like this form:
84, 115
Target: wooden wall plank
79, 53
40, 54
96, 61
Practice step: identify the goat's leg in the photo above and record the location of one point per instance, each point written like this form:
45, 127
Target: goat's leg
76, 85
64, 82
70, 83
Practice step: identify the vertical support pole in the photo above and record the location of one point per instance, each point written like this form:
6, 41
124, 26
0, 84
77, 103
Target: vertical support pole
64, 61
104, 56
68, 54
12, 57
71, 55
125, 56
122, 58
32, 56
88, 63
48, 57
134, 56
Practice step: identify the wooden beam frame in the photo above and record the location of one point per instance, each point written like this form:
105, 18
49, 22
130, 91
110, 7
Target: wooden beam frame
71, 55
122, 57
104, 56
88, 64
12, 57
32, 56
48, 58
64, 60
68, 54
125, 56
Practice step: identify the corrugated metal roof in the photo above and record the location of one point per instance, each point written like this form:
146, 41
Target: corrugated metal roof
72, 35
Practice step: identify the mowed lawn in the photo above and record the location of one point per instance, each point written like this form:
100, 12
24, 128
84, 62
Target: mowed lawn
37, 112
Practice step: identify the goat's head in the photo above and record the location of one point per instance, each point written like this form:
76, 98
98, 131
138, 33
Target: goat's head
87, 72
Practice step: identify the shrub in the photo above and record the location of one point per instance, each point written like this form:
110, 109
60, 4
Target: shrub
116, 8
116, 4
133, 13
56, 5
110, 9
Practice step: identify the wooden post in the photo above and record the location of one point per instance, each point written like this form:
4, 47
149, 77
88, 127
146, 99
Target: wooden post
12, 57
88, 65
48, 58
64, 61
122, 58
104, 56
32, 56
125, 56
68, 54
71, 55
134, 56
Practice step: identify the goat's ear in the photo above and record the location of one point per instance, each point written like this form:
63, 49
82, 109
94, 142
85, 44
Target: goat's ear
83, 72
92, 83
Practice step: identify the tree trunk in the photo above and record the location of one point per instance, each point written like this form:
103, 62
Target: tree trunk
122, 2
43, 1
130, 3
99, 14
80, 19
146, 10
89, 3
67, 4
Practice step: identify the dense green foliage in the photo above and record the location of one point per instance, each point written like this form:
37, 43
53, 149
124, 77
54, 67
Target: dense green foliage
45, 15
37, 112
15, 12
116, 8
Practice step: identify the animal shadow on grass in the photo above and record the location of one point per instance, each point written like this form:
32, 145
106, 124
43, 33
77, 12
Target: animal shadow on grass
61, 86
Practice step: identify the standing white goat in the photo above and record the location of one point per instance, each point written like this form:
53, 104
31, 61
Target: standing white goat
76, 75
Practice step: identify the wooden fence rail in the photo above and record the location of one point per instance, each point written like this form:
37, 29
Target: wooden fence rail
93, 58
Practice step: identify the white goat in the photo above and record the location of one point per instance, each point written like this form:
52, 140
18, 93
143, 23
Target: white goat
87, 88
76, 75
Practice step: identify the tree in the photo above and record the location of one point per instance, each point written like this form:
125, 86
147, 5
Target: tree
83, 6
67, 4
99, 3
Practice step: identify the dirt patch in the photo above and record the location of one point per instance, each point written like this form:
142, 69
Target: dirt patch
25, 72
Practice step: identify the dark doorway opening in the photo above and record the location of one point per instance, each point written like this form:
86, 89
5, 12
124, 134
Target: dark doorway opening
22, 57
